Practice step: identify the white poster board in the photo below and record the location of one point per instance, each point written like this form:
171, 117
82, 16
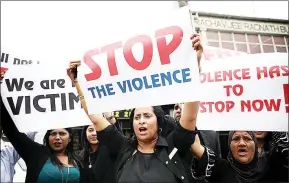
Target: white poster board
42, 97
146, 69
245, 93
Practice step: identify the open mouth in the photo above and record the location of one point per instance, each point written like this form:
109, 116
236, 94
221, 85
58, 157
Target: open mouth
57, 144
242, 152
142, 130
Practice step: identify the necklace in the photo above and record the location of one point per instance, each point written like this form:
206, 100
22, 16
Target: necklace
89, 166
62, 177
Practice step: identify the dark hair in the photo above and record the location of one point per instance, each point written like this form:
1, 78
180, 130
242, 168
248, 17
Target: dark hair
158, 111
72, 159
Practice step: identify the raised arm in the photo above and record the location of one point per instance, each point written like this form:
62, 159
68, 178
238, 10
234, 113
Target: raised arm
20, 141
190, 111
107, 133
100, 123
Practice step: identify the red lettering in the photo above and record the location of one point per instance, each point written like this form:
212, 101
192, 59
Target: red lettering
110, 49
218, 76
227, 74
220, 106
166, 49
261, 71
285, 70
245, 104
272, 104
96, 70
202, 107
274, 70
286, 96
236, 74
246, 73
229, 105
147, 52
202, 77
258, 105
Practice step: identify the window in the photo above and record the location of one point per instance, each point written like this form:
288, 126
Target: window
240, 37
281, 49
212, 35
226, 36
279, 40
252, 38
229, 46
254, 48
242, 47
214, 44
268, 49
266, 39
248, 43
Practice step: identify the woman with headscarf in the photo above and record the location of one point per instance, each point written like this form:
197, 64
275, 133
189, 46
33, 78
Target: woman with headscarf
148, 157
52, 162
241, 163
273, 156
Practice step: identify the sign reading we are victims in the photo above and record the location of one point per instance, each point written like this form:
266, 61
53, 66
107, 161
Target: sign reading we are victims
41, 97
249, 92
150, 68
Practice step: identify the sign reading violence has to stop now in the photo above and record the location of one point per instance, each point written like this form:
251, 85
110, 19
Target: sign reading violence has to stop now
250, 92
149, 68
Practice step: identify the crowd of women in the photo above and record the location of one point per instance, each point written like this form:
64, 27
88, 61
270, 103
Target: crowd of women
162, 149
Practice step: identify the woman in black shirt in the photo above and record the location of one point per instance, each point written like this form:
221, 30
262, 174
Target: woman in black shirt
148, 157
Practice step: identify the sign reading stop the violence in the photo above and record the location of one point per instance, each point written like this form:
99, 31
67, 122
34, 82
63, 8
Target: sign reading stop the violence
248, 92
149, 68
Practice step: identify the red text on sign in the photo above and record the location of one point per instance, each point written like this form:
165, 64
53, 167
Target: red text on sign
164, 51
237, 90
274, 71
259, 105
218, 76
218, 106
286, 96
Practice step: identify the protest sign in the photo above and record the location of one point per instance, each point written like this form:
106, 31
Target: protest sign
248, 92
41, 97
144, 70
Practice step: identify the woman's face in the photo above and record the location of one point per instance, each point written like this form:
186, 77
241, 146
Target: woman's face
91, 135
242, 147
145, 124
58, 139
261, 135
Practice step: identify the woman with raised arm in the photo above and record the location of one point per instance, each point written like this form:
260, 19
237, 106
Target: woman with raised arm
52, 162
148, 157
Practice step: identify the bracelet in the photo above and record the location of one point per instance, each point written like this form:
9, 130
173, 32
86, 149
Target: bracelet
81, 97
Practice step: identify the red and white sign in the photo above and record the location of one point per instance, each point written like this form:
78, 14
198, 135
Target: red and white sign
147, 69
248, 92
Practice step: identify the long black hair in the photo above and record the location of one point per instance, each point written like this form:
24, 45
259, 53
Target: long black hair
158, 111
72, 158
84, 153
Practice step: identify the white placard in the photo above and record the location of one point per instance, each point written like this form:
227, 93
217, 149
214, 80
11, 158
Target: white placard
251, 96
41, 97
146, 69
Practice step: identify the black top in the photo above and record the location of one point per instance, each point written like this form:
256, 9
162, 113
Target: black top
102, 166
145, 168
180, 139
35, 155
